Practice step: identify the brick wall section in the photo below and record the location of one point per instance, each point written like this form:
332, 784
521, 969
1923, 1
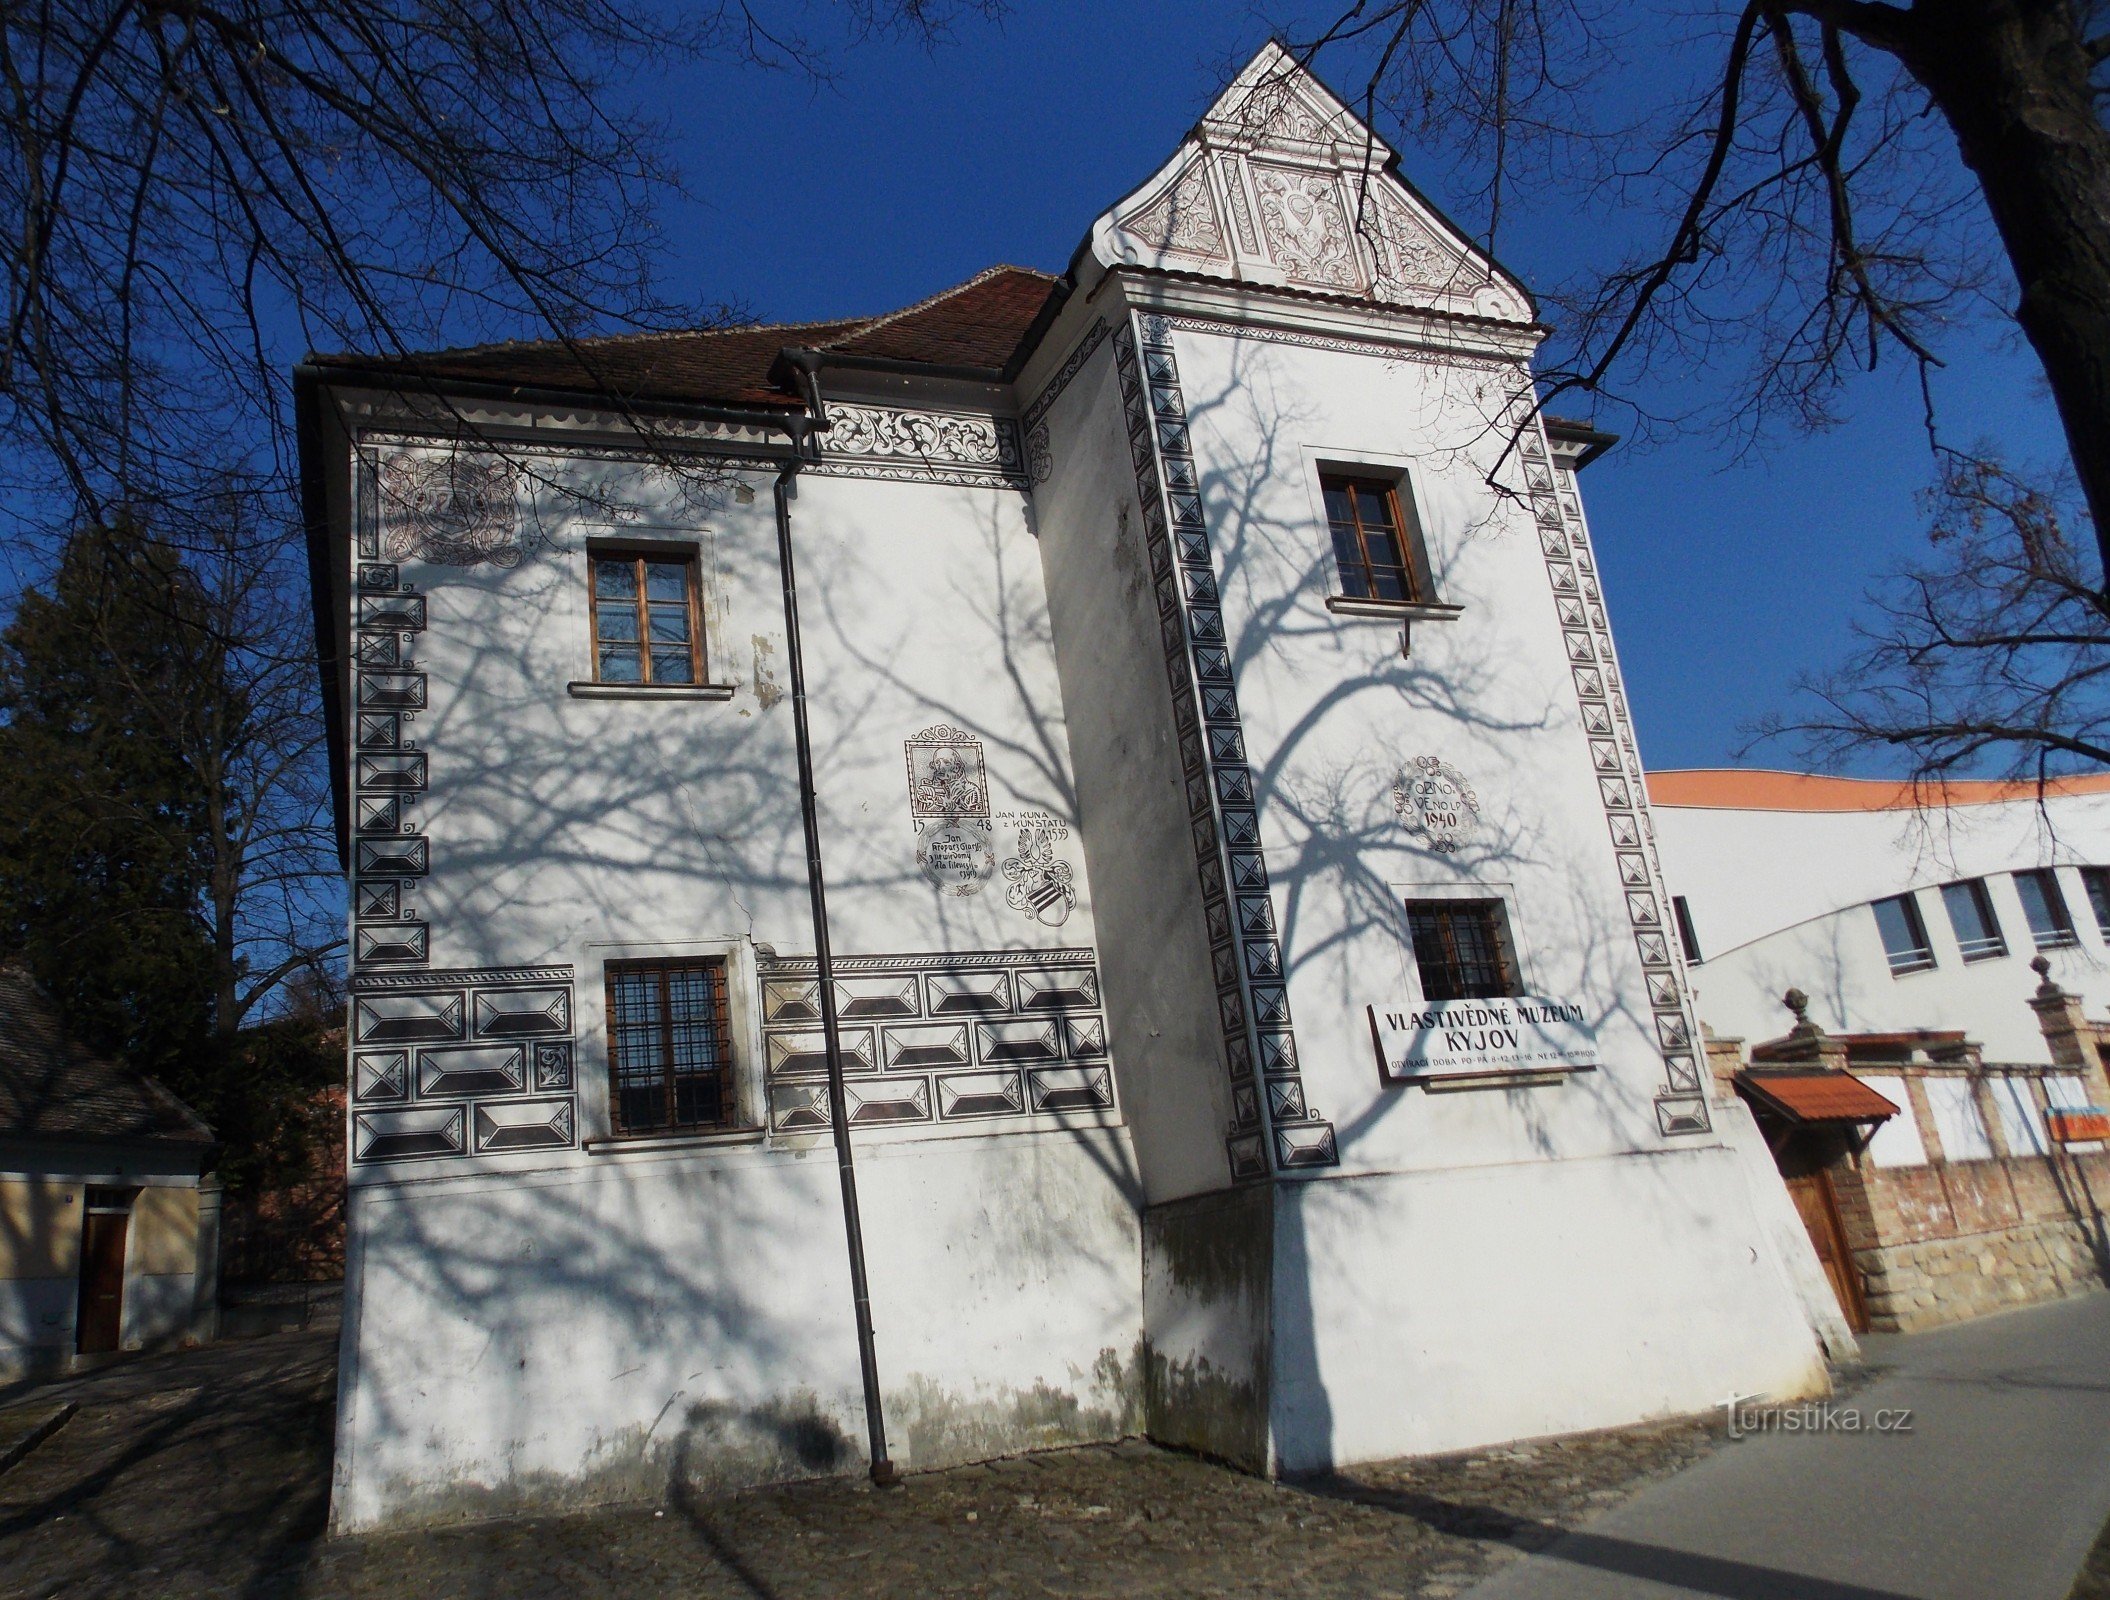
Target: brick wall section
1942, 1243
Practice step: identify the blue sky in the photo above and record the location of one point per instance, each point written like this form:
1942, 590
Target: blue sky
1728, 578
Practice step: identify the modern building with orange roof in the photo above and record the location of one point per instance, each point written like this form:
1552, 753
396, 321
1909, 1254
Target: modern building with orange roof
1894, 906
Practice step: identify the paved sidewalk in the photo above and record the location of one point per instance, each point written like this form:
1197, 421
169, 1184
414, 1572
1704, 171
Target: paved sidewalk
1995, 1494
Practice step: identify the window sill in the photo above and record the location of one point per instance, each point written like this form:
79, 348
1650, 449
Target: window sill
650, 691
614, 1144
1393, 610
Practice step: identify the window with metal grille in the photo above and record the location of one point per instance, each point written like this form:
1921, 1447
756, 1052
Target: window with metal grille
670, 1056
2044, 908
1971, 915
1461, 949
2097, 882
1904, 934
1372, 541
647, 622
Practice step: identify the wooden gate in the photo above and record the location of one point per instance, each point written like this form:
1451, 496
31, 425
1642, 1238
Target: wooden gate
1812, 1192
100, 1322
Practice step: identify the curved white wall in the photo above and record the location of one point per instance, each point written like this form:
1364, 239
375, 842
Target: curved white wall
1781, 899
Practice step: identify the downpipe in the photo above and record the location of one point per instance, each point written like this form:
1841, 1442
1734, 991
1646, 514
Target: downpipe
883, 1473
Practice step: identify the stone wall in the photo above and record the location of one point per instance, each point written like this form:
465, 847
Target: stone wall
1954, 1240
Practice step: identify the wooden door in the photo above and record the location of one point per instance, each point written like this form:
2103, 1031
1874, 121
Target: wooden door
1812, 1192
102, 1281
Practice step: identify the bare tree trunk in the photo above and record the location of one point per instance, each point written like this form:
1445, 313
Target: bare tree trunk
2012, 78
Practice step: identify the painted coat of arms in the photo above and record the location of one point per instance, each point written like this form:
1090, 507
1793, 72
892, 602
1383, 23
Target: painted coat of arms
1041, 885
1435, 803
948, 800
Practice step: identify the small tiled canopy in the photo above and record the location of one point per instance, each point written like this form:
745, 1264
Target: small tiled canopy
1819, 1096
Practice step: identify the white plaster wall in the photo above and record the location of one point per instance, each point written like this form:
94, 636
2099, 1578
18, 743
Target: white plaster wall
576, 1338
1781, 899
559, 1327
1523, 1301
1161, 1000
1333, 713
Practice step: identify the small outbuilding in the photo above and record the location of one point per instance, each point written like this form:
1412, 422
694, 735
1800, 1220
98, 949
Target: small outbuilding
109, 1207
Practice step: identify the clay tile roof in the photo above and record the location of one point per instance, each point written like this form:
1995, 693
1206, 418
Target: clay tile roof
975, 324
1824, 1096
52, 1087
978, 323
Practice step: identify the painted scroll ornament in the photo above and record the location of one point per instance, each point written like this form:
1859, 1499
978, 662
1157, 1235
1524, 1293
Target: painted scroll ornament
1435, 803
1041, 886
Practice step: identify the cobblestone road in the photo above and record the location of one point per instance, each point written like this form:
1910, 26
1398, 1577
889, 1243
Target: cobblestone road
207, 1473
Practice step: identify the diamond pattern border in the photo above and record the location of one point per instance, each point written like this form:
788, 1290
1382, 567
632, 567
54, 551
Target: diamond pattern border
1252, 997
1681, 1107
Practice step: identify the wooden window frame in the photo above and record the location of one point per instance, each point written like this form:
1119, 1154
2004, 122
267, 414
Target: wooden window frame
1406, 535
729, 1097
689, 558
1495, 910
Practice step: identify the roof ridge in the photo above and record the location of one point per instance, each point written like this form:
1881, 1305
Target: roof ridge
876, 323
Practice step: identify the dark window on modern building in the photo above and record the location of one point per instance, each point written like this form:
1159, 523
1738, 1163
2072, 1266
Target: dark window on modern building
1971, 915
1686, 937
2044, 907
1372, 541
647, 621
1461, 949
670, 1057
1904, 934
2097, 882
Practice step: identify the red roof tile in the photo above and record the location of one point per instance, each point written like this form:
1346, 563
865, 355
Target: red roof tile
1825, 1096
978, 323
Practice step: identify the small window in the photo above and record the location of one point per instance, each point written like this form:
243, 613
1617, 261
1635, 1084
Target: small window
1904, 935
1971, 915
1461, 949
2097, 882
1686, 936
1372, 541
670, 1058
2044, 908
647, 624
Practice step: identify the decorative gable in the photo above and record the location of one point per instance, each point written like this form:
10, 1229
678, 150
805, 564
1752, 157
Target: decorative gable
1282, 184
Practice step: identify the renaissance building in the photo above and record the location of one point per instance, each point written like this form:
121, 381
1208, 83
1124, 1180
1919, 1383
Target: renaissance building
1260, 1018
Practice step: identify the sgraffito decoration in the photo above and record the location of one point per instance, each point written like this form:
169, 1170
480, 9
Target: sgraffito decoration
1183, 219
1041, 884
1681, 1105
1436, 804
455, 510
1307, 234
951, 1037
475, 1062
948, 801
1238, 901
933, 446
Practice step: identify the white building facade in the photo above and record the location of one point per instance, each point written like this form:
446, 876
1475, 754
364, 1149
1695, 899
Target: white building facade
1195, 668
1893, 908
